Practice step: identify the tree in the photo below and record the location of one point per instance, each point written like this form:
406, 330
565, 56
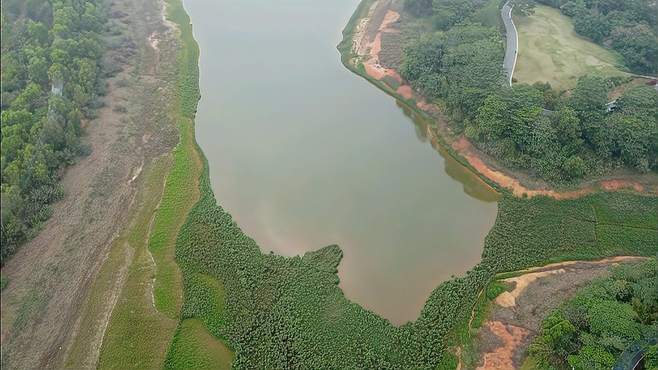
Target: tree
418, 8
574, 167
568, 129
651, 357
37, 70
559, 334
42, 40
590, 94
640, 99
592, 357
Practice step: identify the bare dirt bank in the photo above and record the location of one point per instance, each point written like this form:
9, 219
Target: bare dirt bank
381, 20
516, 315
50, 276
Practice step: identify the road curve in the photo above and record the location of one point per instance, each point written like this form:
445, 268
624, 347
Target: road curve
511, 50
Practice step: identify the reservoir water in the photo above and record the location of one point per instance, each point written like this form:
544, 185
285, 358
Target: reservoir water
303, 153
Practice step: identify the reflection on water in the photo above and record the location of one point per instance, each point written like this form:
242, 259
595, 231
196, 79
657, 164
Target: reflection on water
303, 154
473, 184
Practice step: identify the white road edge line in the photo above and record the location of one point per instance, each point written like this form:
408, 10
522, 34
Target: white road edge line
516, 52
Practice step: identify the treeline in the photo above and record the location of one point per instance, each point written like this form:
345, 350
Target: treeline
629, 27
51, 63
558, 137
447, 13
577, 137
460, 66
591, 330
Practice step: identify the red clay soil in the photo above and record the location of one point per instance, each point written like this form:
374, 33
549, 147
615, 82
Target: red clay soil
464, 147
511, 337
515, 316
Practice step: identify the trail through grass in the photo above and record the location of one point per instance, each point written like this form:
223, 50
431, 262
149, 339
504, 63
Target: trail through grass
127, 264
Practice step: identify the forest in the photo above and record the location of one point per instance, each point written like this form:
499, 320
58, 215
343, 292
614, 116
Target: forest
592, 329
51, 83
561, 138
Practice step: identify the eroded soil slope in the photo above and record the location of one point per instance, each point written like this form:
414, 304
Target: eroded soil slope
517, 314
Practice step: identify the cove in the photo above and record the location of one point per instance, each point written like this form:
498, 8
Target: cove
303, 153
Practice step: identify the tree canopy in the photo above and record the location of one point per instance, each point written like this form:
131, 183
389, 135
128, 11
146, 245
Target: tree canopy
557, 137
46, 45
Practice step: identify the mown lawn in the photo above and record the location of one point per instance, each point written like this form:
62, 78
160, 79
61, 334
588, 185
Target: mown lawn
551, 51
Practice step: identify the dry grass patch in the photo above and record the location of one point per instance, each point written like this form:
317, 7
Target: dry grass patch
550, 50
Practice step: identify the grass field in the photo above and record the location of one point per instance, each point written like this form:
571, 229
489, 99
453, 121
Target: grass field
550, 50
196, 348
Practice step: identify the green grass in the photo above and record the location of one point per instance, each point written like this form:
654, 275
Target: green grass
180, 193
144, 321
3, 282
181, 190
137, 335
195, 348
134, 321
551, 51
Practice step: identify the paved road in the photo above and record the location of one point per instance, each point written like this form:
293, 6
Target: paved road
511, 50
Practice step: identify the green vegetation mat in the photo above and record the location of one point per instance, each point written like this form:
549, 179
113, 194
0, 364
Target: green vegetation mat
286, 312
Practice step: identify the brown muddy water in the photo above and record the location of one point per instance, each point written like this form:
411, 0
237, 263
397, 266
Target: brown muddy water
304, 153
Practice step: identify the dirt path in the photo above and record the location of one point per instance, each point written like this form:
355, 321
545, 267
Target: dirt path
517, 314
49, 277
367, 47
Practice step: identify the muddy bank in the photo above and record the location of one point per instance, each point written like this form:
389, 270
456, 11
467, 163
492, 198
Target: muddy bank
377, 61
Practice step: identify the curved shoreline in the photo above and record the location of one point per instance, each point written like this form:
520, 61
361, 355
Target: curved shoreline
360, 55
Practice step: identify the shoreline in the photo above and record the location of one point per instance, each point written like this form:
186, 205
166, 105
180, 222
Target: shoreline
360, 55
